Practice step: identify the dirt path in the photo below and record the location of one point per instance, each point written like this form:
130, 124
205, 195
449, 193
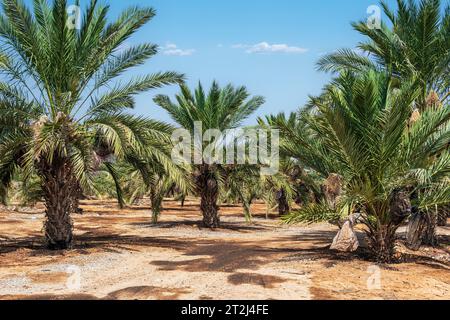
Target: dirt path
119, 255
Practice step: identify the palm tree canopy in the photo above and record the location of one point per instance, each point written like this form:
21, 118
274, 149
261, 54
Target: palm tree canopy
60, 98
417, 44
222, 108
362, 131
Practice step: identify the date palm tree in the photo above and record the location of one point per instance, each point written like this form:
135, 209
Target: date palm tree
221, 109
150, 177
361, 131
62, 113
417, 45
299, 183
241, 185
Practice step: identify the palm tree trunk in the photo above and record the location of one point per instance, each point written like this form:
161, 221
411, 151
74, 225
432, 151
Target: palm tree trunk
382, 243
442, 217
422, 230
416, 228
209, 192
155, 215
382, 232
283, 204
61, 192
247, 211
156, 202
430, 237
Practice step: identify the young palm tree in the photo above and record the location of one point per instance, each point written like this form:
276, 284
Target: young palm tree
62, 115
417, 45
147, 176
361, 132
302, 185
221, 109
281, 195
242, 185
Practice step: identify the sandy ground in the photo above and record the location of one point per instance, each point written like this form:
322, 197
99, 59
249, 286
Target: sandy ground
120, 255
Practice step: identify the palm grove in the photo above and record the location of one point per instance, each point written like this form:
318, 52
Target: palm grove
373, 148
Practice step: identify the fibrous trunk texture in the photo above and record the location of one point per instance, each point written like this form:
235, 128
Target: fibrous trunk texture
209, 191
430, 237
61, 194
422, 230
443, 216
332, 189
382, 243
382, 233
283, 204
416, 228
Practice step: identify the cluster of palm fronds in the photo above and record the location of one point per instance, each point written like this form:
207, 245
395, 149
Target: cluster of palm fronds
66, 132
375, 142
382, 125
62, 117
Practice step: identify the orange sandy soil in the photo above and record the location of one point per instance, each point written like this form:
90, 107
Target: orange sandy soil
122, 256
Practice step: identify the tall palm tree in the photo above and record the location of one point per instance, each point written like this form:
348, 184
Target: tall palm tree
417, 45
361, 131
62, 115
221, 109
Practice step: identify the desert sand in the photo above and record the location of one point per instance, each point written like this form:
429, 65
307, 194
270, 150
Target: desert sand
119, 254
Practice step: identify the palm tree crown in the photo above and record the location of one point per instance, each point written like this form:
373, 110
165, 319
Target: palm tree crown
417, 45
62, 114
222, 108
362, 131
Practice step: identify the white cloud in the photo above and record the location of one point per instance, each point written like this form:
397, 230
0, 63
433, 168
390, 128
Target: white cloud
172, 49
265, 47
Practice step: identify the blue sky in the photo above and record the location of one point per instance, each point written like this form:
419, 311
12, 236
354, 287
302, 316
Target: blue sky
270, 46
215, 28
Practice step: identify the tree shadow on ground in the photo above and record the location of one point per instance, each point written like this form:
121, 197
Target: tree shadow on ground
92, 240
129, 293
8, 245
207, 254
265, 281
224, 226
270, 216
226, 256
